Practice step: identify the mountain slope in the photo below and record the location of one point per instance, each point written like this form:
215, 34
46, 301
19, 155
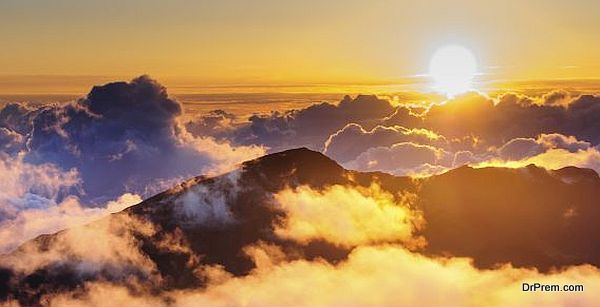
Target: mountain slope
528, 217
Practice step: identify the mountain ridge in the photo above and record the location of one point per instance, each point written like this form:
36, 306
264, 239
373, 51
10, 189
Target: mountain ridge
529, 217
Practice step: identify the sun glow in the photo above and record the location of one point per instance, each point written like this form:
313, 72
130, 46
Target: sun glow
453, 69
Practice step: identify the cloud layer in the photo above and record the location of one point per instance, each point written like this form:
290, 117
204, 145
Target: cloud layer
373, 274
123, 137
468, 129
70, 164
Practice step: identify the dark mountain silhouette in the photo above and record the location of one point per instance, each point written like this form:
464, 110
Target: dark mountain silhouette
530, 217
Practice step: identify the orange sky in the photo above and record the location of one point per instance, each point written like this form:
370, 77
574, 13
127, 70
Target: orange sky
191, 43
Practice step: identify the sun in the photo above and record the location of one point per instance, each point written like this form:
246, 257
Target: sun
453, 68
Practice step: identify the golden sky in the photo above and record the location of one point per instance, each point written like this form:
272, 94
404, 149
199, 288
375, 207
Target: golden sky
285, 42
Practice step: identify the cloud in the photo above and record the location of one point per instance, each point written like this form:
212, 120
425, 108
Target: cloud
10, 141
552, 159
367, 219
471, 126
17, 117
68, 164
405, 116
520, 148
108, 246
308, 127
208, 205
372, 276
344, 216
402, 159
122, 137
29, 186
512, 116
552, 151
216, 123
65, 163
557, 98
352, 140
31, 222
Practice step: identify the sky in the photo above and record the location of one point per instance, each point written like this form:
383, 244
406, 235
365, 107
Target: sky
235, 42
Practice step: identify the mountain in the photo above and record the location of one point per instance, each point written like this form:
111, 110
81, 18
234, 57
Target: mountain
529, 217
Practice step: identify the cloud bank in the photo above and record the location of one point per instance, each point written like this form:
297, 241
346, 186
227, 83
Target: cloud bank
373, 274
123, 137
363, 133
67, 165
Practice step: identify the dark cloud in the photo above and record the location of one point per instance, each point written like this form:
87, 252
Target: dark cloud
404, 116
520, 148
471, 122
401, 158
309, 127
124, 136
463, 157
17, 117
513, 116
352, 140
73, 162
556, 98
216, 123
11, 142
472, 127
461, 116
120, 134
